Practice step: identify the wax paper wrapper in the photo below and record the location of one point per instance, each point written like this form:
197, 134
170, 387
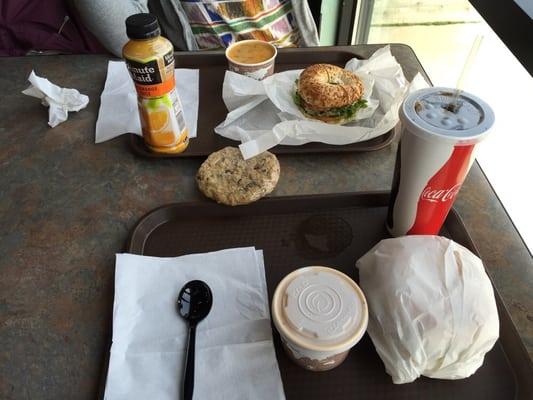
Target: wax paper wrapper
431, 305
235, 356
262, 114
59, 100
118, 112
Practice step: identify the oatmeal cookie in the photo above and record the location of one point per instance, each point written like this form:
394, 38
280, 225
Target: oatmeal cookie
229, 179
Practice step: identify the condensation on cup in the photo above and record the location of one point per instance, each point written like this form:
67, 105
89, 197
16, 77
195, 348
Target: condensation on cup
436, 151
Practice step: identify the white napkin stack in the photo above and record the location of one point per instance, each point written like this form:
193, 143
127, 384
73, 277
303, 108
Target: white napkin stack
59, 100
235, 356
118, 112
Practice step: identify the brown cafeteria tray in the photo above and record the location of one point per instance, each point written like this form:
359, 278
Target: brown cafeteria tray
332, 230
212, 111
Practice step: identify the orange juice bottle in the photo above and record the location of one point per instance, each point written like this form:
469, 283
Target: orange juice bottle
150, 61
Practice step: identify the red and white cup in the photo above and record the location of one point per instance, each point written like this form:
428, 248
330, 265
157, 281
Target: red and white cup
440, 134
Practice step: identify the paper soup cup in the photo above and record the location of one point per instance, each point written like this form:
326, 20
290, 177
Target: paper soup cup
320, 314
253, 58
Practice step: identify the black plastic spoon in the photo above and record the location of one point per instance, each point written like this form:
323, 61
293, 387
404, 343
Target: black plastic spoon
194, 303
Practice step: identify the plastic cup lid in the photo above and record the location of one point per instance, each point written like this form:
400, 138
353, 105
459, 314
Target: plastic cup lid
320, 309
434, 113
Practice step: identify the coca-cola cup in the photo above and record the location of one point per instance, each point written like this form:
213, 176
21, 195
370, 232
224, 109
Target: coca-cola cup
440, 132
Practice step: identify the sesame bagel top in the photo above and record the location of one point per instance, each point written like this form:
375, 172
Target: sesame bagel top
325, 86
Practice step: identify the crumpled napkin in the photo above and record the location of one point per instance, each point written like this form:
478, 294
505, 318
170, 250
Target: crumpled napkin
262, 114
431, 305
59, 100
235, 357
118, 112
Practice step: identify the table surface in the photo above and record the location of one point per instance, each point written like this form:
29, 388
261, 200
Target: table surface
68, 205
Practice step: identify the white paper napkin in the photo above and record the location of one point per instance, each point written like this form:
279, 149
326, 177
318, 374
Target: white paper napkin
59, 100
118, 112
235, 356
262, 114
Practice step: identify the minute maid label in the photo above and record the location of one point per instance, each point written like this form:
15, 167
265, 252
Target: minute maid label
153, 77
145, 73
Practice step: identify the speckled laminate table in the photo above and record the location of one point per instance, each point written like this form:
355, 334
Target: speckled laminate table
67, 206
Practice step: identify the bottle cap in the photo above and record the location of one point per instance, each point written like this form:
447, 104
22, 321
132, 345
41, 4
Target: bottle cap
142, 26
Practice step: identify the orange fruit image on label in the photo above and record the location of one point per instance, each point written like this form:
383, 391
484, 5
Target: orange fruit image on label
160, 127
159, 123
158, 120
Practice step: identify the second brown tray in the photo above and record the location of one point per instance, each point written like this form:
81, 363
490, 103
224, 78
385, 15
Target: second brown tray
212, 110
332, 230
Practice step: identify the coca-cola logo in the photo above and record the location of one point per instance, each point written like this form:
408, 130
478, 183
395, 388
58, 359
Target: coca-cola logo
436, 195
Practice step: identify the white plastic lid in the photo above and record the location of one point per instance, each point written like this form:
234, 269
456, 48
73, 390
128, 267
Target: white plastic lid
428, 113
320, 309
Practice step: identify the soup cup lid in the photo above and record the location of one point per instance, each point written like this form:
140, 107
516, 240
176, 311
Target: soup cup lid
320, 308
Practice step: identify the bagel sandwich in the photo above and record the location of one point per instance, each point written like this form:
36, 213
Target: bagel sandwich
329, 93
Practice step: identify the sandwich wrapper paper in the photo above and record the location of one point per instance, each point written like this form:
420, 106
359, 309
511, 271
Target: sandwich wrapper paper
235, 356
118, 112
432, 309
60, 101
262, 114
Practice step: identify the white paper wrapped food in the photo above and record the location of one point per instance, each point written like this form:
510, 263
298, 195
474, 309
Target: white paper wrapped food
432, 310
